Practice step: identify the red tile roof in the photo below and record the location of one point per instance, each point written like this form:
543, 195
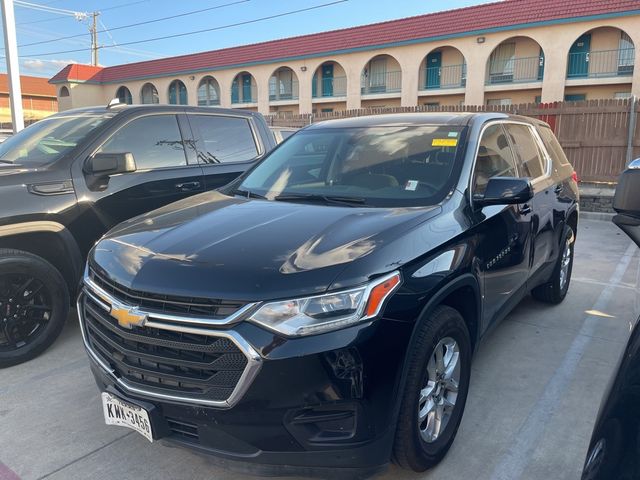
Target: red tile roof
498, 15
36, 86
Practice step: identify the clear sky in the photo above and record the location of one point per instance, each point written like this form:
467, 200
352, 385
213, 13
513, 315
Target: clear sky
45, 59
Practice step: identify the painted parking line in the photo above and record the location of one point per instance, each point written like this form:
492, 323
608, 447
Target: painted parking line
518, 455
7, 474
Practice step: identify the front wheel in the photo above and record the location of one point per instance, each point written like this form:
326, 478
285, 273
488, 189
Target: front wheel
435, 392
555, 290
34, 304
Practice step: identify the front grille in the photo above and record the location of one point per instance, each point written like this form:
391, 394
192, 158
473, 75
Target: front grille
162, 361
171, 304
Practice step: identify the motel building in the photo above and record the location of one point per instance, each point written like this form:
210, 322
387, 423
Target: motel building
509, 52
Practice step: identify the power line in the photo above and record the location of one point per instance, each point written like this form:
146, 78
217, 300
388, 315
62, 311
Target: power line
131, 25
52, 19
195, 32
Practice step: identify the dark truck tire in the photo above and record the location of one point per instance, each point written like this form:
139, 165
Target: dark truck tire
555, 290
34, 305
415, 448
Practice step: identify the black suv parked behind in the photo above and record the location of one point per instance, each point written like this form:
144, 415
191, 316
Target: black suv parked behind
67, 179
321, 311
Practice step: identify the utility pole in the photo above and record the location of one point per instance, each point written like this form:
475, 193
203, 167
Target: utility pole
94, 38
13, 67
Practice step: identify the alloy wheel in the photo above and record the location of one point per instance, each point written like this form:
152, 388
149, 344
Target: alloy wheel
25, 309
439, 394
564, 266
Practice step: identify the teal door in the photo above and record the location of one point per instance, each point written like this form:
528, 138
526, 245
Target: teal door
434, 69
327, 80
579, 57
235, 93
314, 85
246, 88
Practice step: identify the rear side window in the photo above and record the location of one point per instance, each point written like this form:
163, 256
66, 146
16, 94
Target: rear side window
528, 155
495, 158
224, 139
553, 146
154, 141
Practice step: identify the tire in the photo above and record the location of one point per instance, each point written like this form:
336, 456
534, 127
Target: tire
44, 308
411, 450
555, 290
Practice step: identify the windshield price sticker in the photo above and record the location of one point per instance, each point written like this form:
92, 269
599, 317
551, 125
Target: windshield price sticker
444, 142
411, 185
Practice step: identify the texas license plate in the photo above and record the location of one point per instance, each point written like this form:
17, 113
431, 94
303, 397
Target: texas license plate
125, 414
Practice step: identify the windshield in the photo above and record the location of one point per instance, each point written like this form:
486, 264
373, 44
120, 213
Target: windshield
49, 139
375, 166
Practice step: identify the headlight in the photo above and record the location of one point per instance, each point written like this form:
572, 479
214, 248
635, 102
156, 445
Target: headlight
322, 313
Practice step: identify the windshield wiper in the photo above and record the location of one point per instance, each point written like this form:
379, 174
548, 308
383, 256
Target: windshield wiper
248, 194
335, 199
9, 162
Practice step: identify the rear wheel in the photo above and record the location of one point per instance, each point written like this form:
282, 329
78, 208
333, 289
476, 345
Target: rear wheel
435, 391
34, 304
555, 290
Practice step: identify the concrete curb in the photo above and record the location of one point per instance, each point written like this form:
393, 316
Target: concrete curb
597, 216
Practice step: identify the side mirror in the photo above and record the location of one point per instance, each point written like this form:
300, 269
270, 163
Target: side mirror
505, 191
627, 197
105, 164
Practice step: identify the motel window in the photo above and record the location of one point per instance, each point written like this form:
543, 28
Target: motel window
149, 94
626, 53
622, 95
499, 101
501, 63
124, 95
208, 92
177, 93
64, 92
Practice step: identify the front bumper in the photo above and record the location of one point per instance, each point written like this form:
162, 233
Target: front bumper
316, 404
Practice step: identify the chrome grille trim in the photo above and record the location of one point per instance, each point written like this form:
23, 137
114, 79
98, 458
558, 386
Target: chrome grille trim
254, 361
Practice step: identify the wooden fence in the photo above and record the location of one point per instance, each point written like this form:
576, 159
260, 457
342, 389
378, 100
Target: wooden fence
595, 135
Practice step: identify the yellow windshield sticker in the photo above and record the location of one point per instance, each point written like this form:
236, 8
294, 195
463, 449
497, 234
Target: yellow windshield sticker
444, 142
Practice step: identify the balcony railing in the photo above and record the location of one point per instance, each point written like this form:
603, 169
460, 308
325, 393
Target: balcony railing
449, 76
330, 87
601, 63
388, 82
515, 70
283, 90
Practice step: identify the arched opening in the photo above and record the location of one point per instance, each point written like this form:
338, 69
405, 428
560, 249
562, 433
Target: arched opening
244, 89
515, 60
604, 52
283, 85
443, 68
124, 95
329, 81
64, 92
149, 94
381, 74
208, 92
177, 93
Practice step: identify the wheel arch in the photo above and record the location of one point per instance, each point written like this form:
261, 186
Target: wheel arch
449, 294
51, 241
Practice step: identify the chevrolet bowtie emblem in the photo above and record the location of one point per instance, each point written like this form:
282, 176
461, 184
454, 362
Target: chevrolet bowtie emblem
128, 317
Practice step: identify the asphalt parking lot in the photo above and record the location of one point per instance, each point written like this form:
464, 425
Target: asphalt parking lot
536, 386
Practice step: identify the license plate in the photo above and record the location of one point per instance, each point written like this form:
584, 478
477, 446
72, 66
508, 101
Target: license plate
125, 414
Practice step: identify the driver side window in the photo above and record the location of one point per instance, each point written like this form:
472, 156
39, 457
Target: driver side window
495, 158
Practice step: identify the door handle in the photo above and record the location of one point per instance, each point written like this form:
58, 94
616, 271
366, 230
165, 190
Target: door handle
525, 209
188, 186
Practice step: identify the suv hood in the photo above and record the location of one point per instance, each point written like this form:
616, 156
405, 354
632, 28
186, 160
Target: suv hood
216, 246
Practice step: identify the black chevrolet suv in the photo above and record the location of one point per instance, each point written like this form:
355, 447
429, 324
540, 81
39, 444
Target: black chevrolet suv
319, 314
67, 179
